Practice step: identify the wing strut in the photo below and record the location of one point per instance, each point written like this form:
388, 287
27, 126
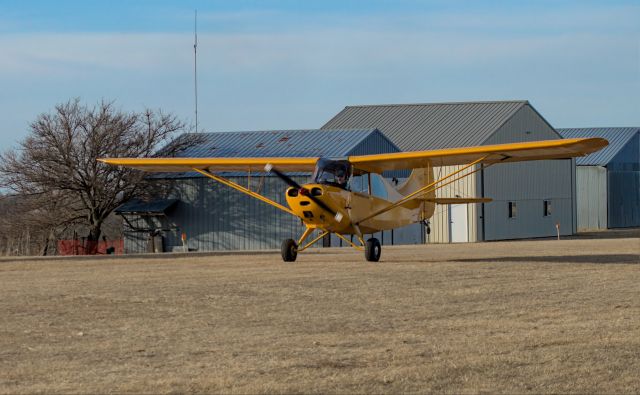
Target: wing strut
306, 234
429, 188
242, 189
355, 246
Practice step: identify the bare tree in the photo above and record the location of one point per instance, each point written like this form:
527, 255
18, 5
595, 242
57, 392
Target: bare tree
27, 225
57, 163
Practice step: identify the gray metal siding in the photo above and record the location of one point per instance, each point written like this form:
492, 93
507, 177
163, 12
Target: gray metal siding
529, 212
623, 199
628, 157
378, 143
374, 143
624, 186
591, 199
135, 242
216, 217
528, 184
622, 160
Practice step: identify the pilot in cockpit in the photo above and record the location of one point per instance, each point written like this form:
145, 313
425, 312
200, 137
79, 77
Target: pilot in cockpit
341, 179
333, 172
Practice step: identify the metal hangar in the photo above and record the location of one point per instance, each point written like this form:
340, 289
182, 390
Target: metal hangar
529, 199
608, 181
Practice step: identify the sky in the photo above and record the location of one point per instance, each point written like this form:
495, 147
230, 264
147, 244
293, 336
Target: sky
265, 65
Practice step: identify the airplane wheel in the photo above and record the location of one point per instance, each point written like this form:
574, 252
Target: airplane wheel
289, 250
372, 250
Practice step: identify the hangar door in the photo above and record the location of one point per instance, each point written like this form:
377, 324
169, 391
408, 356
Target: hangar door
458, 223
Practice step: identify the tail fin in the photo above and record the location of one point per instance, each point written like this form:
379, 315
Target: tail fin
421, 177
418, 179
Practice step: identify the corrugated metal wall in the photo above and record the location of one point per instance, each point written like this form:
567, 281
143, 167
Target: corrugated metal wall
624, 199
216, 217
622, 160
591, 197
466, 187
528, 184
624, 186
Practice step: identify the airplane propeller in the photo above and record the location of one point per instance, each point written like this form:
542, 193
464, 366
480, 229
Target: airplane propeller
303, 191
270, 169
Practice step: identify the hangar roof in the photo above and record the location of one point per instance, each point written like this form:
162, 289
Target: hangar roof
618, 138
289, 143
443, 125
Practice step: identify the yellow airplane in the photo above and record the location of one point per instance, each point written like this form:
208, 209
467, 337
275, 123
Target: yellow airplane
339, 199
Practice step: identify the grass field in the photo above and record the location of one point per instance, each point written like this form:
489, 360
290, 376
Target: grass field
506, 317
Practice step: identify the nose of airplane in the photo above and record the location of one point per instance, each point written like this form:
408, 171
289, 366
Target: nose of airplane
309, 204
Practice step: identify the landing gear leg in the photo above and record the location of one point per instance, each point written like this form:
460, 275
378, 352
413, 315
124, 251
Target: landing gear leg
289, 248
372, 250
427, 225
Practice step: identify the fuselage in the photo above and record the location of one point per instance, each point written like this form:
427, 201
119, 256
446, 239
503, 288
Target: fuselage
353, 206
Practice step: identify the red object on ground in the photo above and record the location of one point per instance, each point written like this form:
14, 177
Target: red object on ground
78, 247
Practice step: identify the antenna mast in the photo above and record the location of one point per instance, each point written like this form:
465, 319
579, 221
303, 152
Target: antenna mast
195, 63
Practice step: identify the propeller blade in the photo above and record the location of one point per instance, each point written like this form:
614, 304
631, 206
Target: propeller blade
269, 168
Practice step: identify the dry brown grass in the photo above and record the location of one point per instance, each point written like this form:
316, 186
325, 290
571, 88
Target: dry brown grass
508, 317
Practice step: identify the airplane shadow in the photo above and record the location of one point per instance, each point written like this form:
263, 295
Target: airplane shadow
629, 259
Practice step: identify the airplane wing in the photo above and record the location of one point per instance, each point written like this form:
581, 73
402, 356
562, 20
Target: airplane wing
214, 164
512, 152
377, 163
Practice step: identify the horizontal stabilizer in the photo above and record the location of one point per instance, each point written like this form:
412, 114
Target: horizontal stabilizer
458, 200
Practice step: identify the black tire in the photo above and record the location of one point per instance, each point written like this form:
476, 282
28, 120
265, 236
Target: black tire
289, 250
372, 250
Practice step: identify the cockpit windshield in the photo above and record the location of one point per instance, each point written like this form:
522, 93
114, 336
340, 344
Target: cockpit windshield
333, 172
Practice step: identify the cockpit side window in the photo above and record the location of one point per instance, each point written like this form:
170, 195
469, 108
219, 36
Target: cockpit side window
333, 172
378, 188
360, 183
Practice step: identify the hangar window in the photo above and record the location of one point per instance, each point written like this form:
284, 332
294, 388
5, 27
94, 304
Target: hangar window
547, 208
512, 209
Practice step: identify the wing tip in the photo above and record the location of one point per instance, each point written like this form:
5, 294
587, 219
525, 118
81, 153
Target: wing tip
596, 143
111, 161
